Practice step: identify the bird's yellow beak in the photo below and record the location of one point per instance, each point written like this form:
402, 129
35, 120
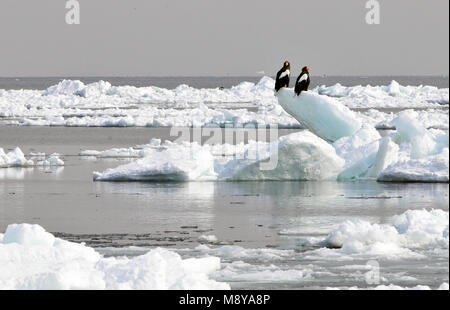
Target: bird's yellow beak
308, 69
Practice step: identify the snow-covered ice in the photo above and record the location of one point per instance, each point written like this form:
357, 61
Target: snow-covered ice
410, 230
298, 156
178, 163
428, 118
422, 156
73, 103
239, 271
393, 95
323, 115
31, 258
434, 168
53, 160
16, 158
408, 239
412, 153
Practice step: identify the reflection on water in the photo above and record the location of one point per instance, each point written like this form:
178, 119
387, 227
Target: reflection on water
253, 216
14, 173
191, 190
65, 199
57, 170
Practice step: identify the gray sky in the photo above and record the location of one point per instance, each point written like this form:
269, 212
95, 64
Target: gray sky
227, 37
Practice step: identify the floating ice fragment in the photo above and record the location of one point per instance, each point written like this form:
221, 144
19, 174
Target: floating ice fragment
322, 115
31, 258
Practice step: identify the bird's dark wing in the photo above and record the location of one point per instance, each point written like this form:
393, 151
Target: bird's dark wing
279, 73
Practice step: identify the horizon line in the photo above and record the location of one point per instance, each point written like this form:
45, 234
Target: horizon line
214, 76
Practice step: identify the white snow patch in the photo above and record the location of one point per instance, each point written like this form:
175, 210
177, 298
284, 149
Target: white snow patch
72, 103
393, 95
298, 156
236, 253
422, 156
410, 230
410, 154
239, 271
433, 168
31, 258
16, 158
178, 163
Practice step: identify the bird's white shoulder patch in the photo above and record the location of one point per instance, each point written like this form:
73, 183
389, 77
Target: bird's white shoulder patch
304, 77
287, 72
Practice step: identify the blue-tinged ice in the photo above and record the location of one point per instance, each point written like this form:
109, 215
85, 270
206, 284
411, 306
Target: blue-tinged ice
322, 115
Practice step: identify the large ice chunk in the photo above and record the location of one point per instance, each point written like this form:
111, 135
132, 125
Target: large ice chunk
65, 87
412, 229
298, 156
422, 155
359, 151
409, 130
31, 258
434, 168
393, 95
410, 154
178, 163
387, 154
323, 115
15, 158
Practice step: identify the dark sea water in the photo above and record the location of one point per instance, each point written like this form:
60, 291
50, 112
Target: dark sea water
227, 81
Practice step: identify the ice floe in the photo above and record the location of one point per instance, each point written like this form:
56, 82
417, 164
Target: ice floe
393, 95
422, 156
31, 258
411, 154
16, 158
428, 118
178, 163
323, 115
298, 156
434, 168
73, 103
411, 230
240, 271
237, 253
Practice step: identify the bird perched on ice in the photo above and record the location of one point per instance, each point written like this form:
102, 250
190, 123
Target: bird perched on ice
283, 76
302, 82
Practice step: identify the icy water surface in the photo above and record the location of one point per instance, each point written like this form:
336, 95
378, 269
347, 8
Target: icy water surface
267, 234
265, 230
